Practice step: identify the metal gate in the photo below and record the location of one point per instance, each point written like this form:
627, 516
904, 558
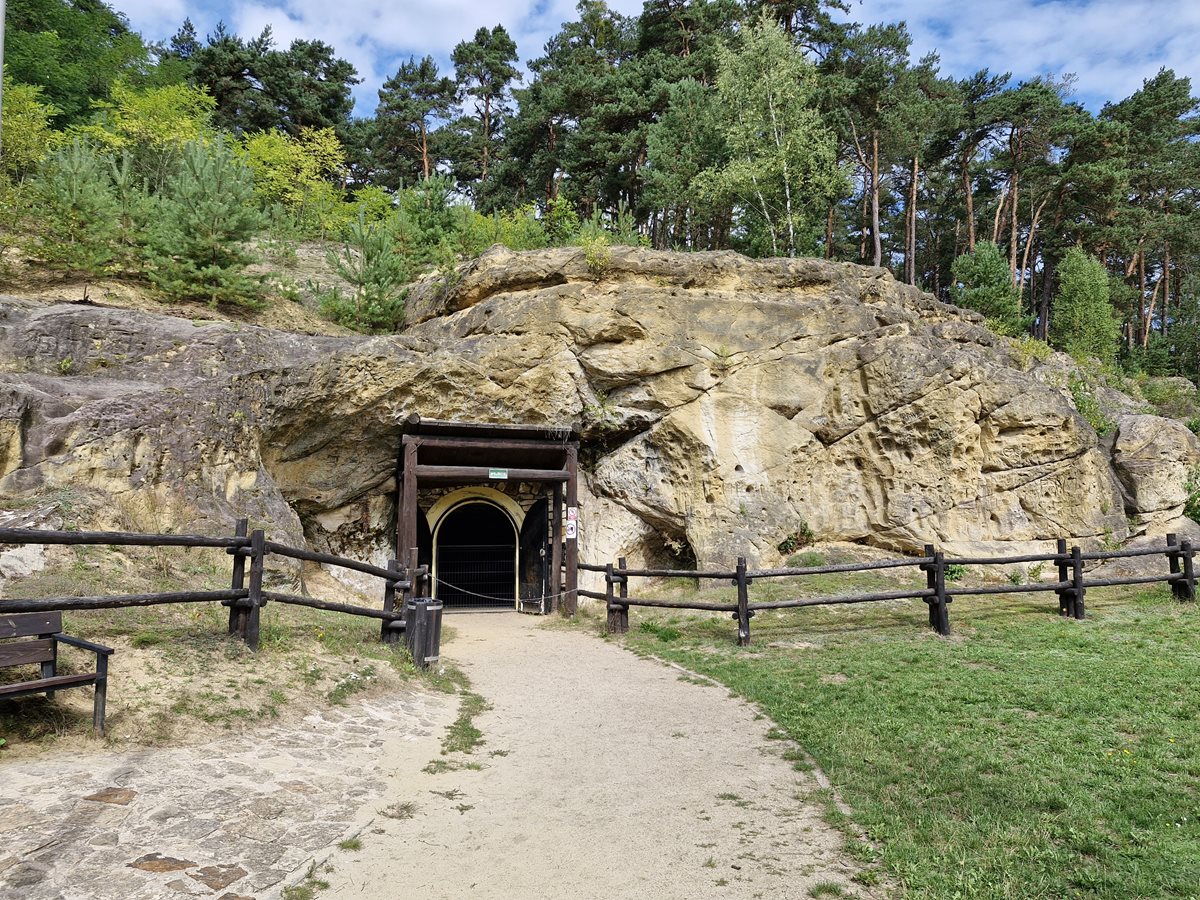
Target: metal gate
478, 576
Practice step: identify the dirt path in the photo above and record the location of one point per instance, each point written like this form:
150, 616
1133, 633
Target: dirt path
605, 776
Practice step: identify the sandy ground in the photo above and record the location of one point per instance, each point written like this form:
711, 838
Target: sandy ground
605, 775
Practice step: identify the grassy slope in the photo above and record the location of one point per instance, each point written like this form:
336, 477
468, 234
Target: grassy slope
1027, 756
177, 675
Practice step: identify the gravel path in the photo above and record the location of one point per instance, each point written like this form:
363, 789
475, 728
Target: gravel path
605, 776
602, 775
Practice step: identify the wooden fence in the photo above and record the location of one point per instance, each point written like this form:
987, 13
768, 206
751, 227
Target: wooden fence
246, 595
1070, 587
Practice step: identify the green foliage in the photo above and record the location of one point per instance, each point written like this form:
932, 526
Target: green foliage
1082, 321
135, 210
370, 263
205, 216
1087, 405
955, 572
560, 221
808, 560
597, 247
1030, 349
410, 102
1191, 507
150, 125
484, 69
17, 220
517, 229
76, 208
781, 169
258, 87
685, 141
373, 203
802, 537
25, 132
74, 51
296, 173
984, 284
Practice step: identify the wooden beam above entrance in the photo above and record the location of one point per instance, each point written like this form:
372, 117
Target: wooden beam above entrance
479, 474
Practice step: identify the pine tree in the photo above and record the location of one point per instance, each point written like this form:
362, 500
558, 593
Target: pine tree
77, 209
369, 262
984, 284
206, 215
410, 102
484, 71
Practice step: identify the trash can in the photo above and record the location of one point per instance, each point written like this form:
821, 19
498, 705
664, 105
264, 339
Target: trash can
423, 631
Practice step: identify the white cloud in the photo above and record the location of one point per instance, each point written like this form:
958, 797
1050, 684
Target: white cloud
156, 19
1111, 45
375, 35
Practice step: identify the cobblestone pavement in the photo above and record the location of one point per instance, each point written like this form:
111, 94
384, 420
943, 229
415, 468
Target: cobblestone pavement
231, 819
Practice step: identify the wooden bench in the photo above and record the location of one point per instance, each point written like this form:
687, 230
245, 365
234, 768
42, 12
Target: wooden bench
45, 629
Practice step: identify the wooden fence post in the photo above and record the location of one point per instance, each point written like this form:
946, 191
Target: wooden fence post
258, 552
1077, 589
238, 582
1178, 587
930, 583
388, 632
743, 603
1189, 571
421, 587
100, 698
940, 610
611, 607
1064, 594
623, 613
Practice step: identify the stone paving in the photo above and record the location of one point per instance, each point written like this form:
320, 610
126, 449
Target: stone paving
235, 818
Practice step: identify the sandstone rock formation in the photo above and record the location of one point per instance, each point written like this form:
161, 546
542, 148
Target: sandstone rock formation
724, 403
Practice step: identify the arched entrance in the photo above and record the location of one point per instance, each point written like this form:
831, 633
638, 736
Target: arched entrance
475, 545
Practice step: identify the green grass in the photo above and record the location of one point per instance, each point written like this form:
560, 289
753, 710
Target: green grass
463, 736
1026, 756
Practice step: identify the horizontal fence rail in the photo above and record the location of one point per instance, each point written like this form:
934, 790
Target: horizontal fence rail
1070, 586
246, 595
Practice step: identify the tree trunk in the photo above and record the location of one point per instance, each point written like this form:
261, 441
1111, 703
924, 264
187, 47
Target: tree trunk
424, 150
829, 233
1141, 299
969, 196
1166, 278
1014, 206
1033, 225
876, 240
1000, 207
862, 230
487, 137
1043, 323
910, 220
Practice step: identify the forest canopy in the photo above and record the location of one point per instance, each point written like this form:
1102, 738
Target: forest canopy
768, 127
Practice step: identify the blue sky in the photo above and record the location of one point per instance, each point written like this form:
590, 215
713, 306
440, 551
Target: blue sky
1111, 45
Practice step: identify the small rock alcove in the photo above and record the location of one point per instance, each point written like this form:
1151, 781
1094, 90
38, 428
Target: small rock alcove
493, 510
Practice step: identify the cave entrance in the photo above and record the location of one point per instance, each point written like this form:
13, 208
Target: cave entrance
475, 549
501, 556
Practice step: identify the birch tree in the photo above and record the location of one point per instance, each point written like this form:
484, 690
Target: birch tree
781, 167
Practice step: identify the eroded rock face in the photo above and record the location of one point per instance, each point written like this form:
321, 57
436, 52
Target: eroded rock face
723, 402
